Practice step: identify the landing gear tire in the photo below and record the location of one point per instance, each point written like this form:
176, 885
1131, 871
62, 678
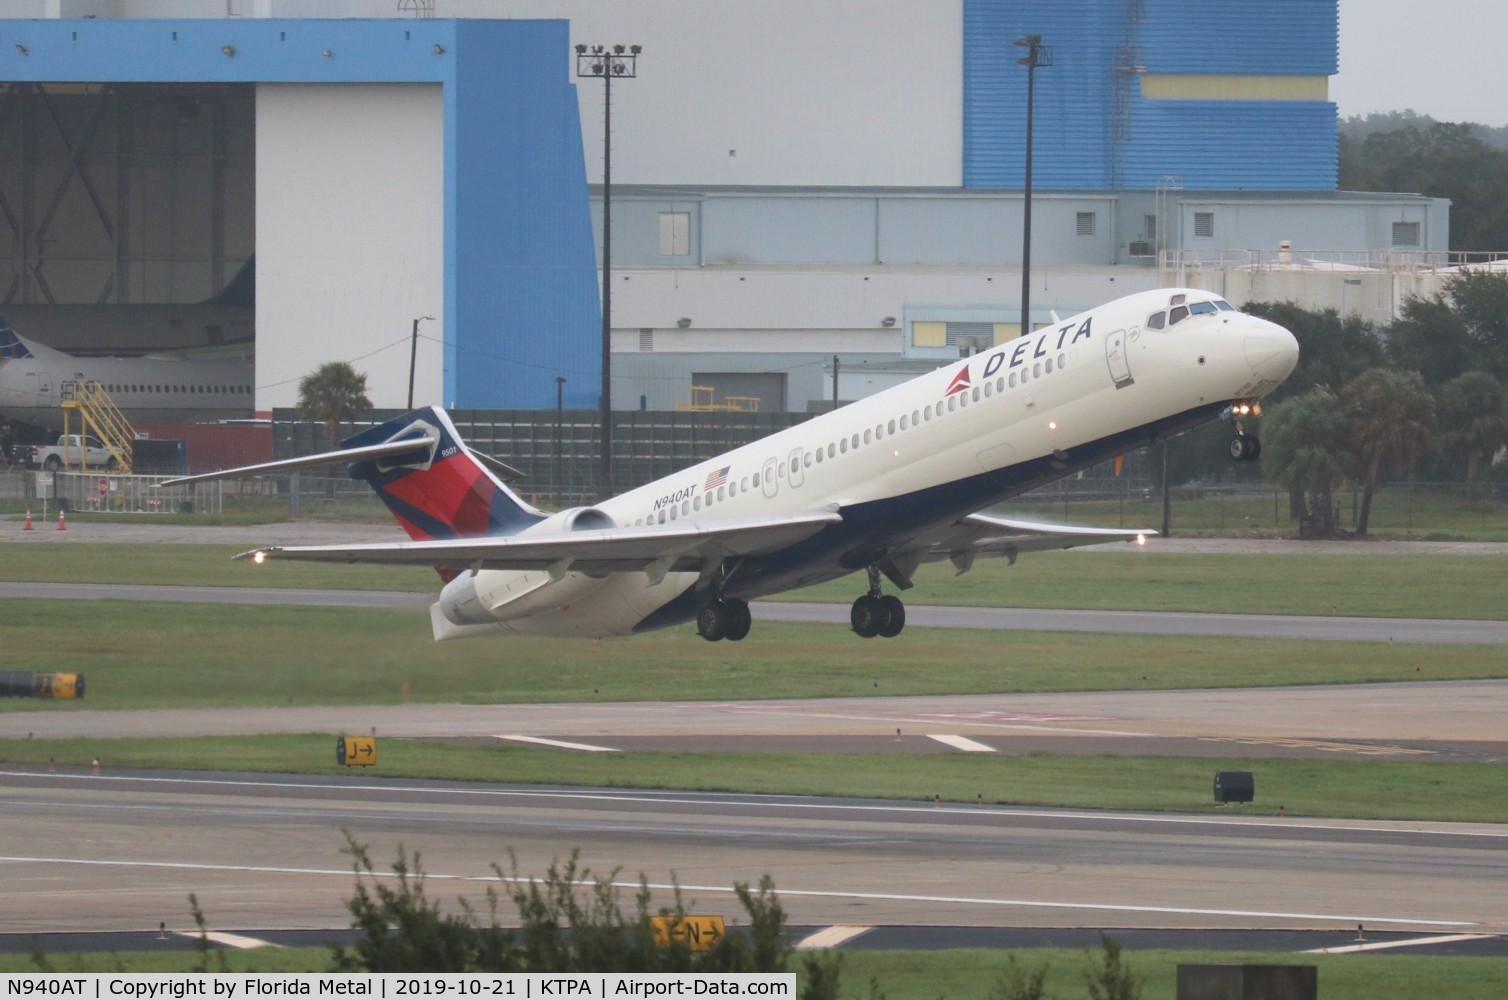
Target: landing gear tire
724, 619
1245, 448
738, 611
874, 615
868, 616
712, 621
896, 616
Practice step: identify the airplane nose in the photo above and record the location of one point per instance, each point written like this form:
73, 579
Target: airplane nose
1272, 352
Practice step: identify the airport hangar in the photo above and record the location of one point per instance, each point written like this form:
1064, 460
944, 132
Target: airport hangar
757, 232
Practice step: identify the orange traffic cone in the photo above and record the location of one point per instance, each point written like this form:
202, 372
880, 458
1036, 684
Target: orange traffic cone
62, 520
28, 520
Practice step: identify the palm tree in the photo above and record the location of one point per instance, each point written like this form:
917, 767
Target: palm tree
1473, 419
333, 394
1391, 415
1304, 450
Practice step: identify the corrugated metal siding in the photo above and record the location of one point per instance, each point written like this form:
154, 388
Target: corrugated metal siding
1071, 130
1240, 36
1227, 145
1257, 145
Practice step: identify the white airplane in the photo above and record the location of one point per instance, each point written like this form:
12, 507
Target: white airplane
153, 388
881, 485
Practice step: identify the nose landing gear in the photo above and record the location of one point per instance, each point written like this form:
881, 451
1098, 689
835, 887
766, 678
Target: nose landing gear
1244, 447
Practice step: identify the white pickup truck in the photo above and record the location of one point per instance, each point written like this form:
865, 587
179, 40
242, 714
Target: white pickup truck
69, 451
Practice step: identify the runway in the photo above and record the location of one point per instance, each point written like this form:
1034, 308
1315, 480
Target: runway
122, 852
1337, 628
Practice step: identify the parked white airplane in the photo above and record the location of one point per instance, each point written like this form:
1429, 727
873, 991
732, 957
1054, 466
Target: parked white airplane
881, 485
153, 388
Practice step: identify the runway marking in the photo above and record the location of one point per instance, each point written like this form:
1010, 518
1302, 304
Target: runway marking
963, 743
776, 802
229, 940
888, 897
831, 937
1410, 943
559, 744
1296, 743
928, 719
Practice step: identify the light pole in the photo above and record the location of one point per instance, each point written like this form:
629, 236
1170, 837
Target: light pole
413, 357
1037, 54
559, 414
622, 62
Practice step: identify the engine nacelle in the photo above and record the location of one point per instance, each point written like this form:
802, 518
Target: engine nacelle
494, 596
574, 519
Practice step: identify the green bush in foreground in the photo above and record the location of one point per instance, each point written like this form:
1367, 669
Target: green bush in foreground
561, 928
572, 921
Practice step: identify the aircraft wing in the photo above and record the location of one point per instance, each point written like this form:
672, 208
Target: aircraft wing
982, 535
654, 550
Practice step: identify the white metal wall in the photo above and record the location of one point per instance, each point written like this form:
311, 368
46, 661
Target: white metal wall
854, 92
350, 203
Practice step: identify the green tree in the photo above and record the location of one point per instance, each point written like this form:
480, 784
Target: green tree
1429, 337
1443, 160
1481, 299
1473, 412
1305, 450
333, 394
1390, 416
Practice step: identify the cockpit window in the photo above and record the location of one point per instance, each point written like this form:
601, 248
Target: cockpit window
1224, 306
1177, 315
1156, 321
1203, 308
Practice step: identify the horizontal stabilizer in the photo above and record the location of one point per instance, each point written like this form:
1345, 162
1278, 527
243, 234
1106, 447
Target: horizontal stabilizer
387, 449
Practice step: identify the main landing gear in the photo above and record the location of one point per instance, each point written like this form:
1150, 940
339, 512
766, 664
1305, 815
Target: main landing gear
876, 613
724, 618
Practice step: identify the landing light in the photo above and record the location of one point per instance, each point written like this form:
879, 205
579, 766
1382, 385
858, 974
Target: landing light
259, 558
1141, 539
1052, 425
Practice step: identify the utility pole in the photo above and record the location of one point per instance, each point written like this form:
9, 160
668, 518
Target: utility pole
413, 357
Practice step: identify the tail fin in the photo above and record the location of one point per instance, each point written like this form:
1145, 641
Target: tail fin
12, 346
443, 490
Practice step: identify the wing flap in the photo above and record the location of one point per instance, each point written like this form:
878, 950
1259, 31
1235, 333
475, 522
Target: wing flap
655, 549
982, 535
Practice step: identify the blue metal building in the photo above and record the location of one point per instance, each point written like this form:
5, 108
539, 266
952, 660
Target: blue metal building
1223, 94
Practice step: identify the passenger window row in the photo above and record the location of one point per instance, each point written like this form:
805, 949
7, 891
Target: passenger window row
891, 427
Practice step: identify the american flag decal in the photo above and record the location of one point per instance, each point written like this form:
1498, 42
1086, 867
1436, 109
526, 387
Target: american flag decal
716, 479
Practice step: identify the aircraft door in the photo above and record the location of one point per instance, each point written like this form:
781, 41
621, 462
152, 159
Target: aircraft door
767, 477
794, 468
39, 386
1115, 357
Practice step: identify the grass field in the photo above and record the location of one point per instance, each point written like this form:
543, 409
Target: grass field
1121, 578
146, 655
1356, 789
